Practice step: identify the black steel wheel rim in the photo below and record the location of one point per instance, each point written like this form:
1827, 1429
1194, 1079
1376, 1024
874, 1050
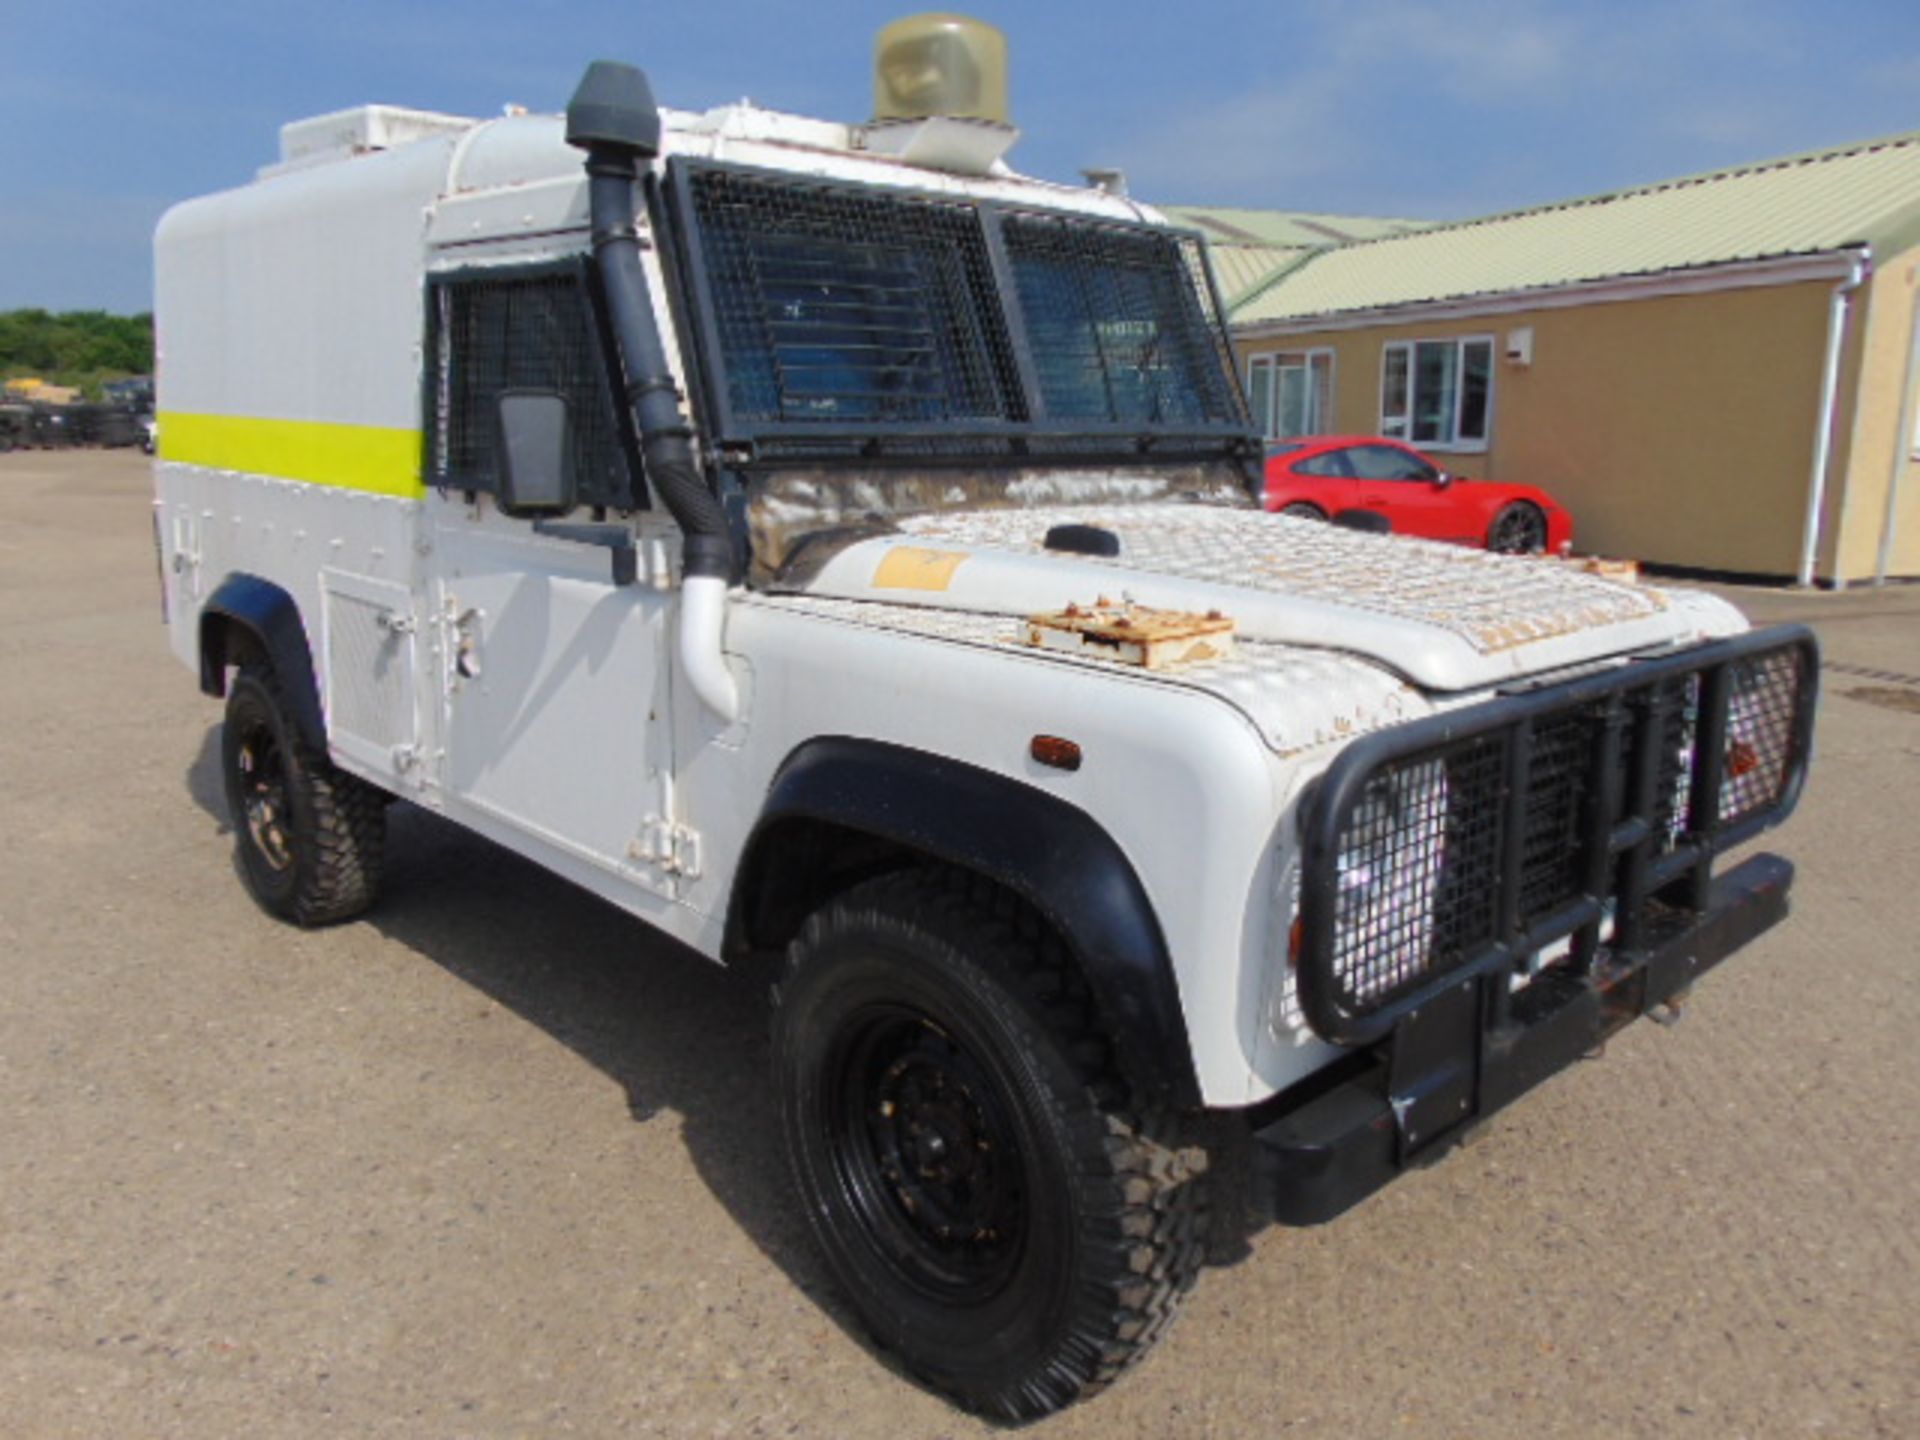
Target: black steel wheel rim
1519, 532
260, 781
923, 1146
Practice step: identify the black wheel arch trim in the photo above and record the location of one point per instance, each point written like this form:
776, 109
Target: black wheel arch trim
271, 616
1049, 852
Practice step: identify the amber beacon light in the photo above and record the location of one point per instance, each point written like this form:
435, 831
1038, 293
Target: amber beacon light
940, 64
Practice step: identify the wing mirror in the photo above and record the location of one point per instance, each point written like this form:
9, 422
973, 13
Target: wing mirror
536, 453
1443, 479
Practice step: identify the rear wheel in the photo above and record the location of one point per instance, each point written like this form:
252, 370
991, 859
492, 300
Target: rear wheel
999, 1213
1301, 510
308, 837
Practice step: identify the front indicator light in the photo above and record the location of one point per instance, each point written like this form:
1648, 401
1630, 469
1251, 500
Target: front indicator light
1742, 759
1053, 751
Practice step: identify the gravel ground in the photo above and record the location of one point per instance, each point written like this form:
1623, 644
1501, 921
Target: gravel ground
497, 1161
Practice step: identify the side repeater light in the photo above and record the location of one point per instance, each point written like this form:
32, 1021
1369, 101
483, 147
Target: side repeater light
1052, 750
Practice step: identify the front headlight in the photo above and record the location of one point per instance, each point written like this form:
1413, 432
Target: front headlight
1387, 876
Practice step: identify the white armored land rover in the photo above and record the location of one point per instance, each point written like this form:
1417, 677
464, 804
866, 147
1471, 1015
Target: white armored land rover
836, 550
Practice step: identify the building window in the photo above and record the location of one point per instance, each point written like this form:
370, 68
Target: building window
1438, 392
1292, 393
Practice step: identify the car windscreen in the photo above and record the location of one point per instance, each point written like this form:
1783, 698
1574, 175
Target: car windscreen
862, 321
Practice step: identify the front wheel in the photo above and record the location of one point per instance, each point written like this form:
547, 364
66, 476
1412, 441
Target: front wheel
1518, 529
1001, 1217
308, 837
1301, 510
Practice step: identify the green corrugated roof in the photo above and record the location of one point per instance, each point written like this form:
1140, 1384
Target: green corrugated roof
1243, 269
1825, 200
1285, 229
1251, 247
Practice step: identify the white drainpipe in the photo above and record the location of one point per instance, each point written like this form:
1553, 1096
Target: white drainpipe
1829, 399
1903, 440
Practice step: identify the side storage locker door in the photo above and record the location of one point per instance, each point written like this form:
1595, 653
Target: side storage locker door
370, 641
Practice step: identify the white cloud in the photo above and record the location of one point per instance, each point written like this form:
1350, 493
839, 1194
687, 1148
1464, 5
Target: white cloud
1332, 111
1472, 49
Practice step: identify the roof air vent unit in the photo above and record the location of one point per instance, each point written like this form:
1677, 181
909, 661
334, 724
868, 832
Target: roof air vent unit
359, 131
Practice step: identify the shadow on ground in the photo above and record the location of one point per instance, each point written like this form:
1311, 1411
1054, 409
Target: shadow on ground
677, 1032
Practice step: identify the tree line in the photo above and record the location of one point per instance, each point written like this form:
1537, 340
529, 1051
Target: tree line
75, 347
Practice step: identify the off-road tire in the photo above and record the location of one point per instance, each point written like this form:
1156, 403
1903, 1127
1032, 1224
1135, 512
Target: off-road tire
1302, 510
311, 856
1518, 528
1098, 1214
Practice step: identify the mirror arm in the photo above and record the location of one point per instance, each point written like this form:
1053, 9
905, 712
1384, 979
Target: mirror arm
617, 538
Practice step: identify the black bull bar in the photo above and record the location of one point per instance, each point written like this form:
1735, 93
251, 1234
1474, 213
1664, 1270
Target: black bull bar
1487, 894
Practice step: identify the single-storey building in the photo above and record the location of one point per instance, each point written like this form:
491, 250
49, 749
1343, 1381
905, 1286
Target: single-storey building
1716, 372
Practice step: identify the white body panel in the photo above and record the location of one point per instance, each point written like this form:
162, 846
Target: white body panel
543, 706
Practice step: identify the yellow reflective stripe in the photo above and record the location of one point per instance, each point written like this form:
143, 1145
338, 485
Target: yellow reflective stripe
352, 457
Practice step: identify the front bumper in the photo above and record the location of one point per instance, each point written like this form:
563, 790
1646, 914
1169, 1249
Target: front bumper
1465, 1052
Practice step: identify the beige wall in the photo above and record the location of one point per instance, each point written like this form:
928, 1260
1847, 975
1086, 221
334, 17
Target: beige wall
1677, 429
1868, 437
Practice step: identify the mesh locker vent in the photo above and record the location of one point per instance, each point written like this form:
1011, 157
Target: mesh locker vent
369, 676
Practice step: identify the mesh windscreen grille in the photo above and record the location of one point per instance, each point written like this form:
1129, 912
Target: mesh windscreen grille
846, 321
1115, 325
1193, 256
535, 332
841, 305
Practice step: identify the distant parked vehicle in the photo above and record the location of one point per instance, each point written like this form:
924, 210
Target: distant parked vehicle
1319, 477
51, 427
116, 427
16, 426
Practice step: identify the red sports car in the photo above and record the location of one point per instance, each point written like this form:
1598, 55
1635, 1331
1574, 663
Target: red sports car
1321, 476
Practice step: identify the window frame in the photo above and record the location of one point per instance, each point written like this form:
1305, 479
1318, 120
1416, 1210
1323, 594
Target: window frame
1268, 420
1453, 442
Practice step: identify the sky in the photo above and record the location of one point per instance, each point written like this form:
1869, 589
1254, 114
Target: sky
111, 110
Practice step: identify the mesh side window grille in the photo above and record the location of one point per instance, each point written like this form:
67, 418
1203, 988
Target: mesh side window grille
494, 331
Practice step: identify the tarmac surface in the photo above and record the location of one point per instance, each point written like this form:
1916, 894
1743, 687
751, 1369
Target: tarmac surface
497, 1161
